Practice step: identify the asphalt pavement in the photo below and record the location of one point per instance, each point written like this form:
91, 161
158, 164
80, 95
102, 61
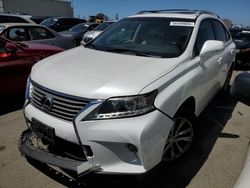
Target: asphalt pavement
215, 159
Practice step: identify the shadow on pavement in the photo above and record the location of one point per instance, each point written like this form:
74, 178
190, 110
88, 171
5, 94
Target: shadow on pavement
10, 103
172, 175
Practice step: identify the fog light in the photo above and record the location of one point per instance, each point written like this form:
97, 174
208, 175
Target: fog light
131, 148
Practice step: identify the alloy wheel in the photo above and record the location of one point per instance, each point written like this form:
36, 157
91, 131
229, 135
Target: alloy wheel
179, 139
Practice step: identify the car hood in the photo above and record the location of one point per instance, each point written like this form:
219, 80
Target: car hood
241, 44
99, 75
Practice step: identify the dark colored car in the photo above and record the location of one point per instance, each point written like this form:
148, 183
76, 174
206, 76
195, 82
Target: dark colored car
61, 23
79, 30
16, 60
15, 18
39, 19
90, 35
241, 38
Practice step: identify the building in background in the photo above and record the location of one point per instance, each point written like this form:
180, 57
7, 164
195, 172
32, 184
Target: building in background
37, 7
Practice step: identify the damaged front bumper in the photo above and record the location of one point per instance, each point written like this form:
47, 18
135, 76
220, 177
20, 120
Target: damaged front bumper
27, 148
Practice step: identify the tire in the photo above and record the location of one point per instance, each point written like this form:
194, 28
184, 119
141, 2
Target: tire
181, 137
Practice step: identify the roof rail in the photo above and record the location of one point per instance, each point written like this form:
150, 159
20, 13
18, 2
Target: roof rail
180, 11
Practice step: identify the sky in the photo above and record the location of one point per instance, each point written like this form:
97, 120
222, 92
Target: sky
236, 10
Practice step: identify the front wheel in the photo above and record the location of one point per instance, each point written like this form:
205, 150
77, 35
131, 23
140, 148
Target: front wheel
180, 138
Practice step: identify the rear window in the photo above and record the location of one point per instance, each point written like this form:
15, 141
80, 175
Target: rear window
49, 21
79, 27
12, 19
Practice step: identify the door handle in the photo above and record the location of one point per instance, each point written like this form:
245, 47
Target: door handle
219, 60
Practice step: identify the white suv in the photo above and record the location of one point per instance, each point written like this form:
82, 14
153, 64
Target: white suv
129, 99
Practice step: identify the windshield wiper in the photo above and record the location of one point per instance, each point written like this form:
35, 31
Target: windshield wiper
134, 52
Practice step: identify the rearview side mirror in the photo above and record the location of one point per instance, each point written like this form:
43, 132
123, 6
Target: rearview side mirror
240, 88
211, 46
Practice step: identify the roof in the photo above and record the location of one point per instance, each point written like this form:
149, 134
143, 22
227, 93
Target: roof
18, 15
19, 24
174, 13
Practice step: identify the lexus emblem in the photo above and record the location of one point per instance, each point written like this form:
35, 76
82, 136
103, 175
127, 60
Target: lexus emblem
47, 103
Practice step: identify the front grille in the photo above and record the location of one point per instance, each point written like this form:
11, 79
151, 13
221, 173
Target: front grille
63, 106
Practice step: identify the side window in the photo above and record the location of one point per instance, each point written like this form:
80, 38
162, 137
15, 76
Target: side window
39, 33
219, 31
17, 34
64, 21
205, 33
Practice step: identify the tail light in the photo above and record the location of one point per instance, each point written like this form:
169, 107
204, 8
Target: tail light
5, 54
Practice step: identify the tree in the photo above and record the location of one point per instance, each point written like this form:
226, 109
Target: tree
102, 16
227, 22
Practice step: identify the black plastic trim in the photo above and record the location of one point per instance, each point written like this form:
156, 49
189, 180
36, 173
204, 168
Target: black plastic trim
45, 157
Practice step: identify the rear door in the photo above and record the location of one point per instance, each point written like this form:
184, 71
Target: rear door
208, 64
228, 53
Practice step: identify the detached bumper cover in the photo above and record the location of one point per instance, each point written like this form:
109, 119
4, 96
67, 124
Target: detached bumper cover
28, 150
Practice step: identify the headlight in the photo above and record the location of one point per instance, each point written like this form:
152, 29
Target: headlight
121, 107
28, 91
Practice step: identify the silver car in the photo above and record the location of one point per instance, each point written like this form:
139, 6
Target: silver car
36, 34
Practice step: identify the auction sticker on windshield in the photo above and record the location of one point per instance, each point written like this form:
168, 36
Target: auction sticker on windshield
183, 24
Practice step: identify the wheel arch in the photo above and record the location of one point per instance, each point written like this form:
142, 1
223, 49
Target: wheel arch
187, 106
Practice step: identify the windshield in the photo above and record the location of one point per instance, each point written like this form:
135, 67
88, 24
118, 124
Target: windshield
79, 27
163, 37
49, 21
103, 26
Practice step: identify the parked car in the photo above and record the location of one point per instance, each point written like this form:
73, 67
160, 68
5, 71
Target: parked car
15, 18
241, 38
130, 98
78, 31
36, 34
61, 23
39, 19
240, 90
16, 60
97, 31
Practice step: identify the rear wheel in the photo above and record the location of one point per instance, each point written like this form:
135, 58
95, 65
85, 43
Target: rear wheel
180, 137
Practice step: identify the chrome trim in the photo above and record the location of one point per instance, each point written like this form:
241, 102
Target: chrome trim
63, 106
